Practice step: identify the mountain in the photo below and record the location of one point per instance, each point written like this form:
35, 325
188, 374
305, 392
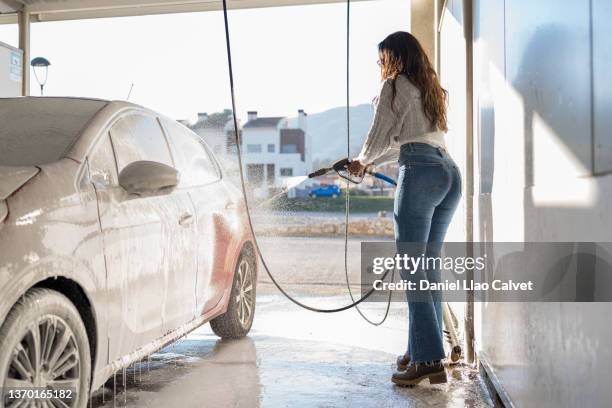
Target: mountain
327, 131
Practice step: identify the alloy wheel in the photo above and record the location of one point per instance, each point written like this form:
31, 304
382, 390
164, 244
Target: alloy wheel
46, 361
244, 296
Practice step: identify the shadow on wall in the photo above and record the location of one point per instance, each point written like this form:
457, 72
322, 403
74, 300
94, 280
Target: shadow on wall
553, 83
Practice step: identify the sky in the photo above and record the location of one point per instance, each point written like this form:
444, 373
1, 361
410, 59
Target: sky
285, 58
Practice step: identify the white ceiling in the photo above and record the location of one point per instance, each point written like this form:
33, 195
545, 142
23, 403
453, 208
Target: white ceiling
54, 10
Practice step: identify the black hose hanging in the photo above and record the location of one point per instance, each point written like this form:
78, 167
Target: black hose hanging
348, 201
244, 193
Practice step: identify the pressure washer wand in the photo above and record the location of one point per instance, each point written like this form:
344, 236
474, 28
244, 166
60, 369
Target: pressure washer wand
342, 166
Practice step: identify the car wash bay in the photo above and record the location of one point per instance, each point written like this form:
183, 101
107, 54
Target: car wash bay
519, 126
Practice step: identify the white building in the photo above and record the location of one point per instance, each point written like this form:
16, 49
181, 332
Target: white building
273, 152
217, 130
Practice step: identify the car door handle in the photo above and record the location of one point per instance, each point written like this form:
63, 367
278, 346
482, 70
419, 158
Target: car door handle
186, 219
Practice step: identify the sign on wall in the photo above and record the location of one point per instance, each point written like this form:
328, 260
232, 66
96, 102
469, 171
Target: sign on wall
11, 62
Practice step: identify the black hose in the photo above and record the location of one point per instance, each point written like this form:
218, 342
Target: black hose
348, 155
244, 193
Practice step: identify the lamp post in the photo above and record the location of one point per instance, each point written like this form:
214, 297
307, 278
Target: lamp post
40, 66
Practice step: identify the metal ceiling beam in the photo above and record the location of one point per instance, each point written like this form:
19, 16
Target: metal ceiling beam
24, 45
85, 9
10, 6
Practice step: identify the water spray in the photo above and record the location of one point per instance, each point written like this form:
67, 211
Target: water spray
290, 183
340, 167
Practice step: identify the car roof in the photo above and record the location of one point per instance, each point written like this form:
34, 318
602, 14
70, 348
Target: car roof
28, 123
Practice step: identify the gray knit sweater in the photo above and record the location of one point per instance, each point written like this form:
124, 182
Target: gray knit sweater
393, 127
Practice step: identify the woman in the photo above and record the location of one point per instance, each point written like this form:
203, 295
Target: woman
410, 122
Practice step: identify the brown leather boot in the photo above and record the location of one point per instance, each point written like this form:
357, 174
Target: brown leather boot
402, 362
415, 373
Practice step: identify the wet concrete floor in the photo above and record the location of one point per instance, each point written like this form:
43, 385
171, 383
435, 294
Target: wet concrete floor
292, 358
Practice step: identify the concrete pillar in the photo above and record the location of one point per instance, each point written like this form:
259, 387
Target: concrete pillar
425, 17
24, 44
469, 166
423, 23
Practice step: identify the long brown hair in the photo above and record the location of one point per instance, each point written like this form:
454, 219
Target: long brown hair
401, 53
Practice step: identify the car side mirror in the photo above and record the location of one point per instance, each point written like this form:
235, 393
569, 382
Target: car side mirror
145, 176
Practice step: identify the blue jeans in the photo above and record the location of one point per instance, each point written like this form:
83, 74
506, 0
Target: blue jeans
429, 190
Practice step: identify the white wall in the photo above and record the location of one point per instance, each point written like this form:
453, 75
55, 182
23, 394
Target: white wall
452, 77
11, 60
543, 174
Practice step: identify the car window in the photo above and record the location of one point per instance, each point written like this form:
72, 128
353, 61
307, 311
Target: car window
102, 167
139, 137
192, 158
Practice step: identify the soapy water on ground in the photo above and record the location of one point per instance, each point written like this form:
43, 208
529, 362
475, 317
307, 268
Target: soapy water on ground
291, 358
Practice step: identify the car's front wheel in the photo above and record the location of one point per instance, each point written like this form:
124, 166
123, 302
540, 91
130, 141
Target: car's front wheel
238, 319
45, 354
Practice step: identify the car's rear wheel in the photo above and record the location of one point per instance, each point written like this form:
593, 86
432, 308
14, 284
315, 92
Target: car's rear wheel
238, 319
45, 354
